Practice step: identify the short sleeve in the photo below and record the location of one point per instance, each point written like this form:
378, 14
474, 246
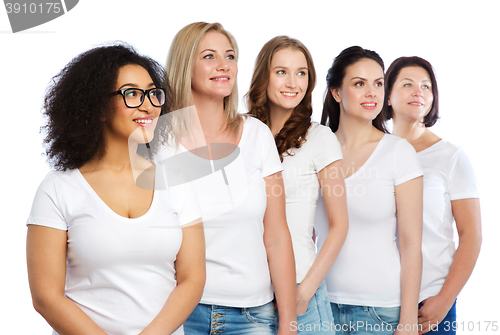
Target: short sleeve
326, 148
462, 180
271, 163
406, 163
45, 210
187, 205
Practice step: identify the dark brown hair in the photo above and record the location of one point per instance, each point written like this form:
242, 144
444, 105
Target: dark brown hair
294, 131
390, 78
334, 79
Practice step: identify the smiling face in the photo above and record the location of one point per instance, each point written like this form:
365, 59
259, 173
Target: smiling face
411, 96
215, 68
288, 80
126, 120
362, 92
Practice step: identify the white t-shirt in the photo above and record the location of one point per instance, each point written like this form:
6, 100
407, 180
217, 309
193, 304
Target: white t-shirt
448, 176
367, 269
300, 176
232, 196
119, 271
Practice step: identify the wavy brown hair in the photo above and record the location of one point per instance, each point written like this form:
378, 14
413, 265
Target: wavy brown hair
294, 131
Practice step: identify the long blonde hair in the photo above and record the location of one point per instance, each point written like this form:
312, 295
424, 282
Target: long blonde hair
179, 72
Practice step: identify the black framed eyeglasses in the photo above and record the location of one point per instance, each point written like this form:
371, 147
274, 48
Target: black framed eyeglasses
134, 97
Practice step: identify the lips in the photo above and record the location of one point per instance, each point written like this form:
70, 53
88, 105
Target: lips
370, 105
144, 121
415, 103
220, 78
290, 94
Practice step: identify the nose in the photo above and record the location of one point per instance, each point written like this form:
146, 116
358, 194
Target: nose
147, 106
418, 92
223, 65
290, 82
371, 91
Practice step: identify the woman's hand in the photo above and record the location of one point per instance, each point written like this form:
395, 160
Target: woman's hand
432, 312
303, 296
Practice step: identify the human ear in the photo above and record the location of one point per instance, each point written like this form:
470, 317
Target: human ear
335, 94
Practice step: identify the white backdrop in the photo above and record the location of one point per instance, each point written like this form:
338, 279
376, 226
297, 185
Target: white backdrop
459, 38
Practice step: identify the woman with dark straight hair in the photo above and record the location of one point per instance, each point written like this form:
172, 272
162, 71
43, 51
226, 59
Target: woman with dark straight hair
280, 95
373, 285
450, 192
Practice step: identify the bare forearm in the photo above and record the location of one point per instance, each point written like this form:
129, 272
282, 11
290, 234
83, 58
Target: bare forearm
65, 317
330, 178
411, 274
282, 269
462, 266
467, 216
409, 208
325, 259
190, 273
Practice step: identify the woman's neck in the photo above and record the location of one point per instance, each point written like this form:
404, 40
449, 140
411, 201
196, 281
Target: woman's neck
212, 117
415, 133
408, 129
278, 118
353, 132
119, 156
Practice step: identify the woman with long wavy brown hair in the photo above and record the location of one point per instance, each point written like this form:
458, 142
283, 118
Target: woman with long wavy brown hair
280, 96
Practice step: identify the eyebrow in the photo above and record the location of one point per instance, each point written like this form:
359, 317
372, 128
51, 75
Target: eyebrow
212, 50
409, 79
132, 85
286, 68
360, 78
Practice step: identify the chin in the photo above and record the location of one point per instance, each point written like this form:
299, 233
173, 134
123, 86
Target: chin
141, 136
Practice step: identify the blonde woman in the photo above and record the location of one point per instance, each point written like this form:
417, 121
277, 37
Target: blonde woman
237, 175
280, 96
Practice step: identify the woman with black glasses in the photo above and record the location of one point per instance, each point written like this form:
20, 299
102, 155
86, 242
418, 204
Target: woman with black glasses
110, 248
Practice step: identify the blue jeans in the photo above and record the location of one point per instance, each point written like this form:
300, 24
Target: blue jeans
318, 318
357, 320
449, 324
212, 319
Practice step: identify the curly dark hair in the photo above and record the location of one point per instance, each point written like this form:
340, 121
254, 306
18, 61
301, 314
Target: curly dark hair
334, 78
294, 131
77, 101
